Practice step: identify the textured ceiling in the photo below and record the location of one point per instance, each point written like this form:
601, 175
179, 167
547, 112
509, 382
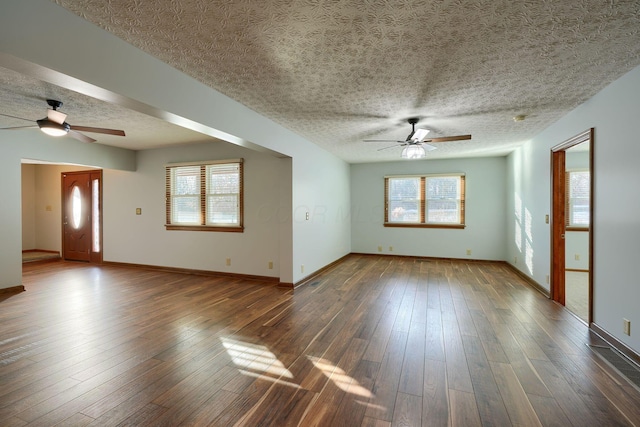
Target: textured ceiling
340, 71
25, 97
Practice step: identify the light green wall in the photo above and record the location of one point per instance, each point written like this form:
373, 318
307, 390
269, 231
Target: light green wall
616, 223
484, 234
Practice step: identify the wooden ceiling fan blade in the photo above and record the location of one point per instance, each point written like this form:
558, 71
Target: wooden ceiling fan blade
115, 132
448, 138
80, 137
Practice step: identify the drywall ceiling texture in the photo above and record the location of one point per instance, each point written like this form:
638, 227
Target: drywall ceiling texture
25, 97
337, 72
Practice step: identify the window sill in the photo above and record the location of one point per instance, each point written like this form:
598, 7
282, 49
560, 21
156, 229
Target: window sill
413, 225
233, 229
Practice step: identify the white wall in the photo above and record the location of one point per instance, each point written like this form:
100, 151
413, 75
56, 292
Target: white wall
484, 234
576, 245
33, 144
142, 239
111, 70
320, 187
616, 223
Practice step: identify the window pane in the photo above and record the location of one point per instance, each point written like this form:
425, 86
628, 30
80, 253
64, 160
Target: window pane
223, 183
579, 198
443, 199
185, 191
223, 188
404, 199
95, 209
222, 209
443, 211
186, 210
186, 180
76, 207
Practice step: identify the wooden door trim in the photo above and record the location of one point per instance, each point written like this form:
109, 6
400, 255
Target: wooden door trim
556, 291
578, 139
558, 196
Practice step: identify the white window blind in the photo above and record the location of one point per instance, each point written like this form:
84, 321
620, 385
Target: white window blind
578, 198
425, 200
205, 196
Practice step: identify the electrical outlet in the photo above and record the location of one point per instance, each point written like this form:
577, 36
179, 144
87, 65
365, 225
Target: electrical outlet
302, 268
138, 211
626, 325
547, 279
576, 257
228, 261
390, 248
468, 251
379, 248
307, 216
515, 260
270, 265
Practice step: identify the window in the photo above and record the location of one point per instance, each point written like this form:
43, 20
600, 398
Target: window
204, 196
578, 199
424, 201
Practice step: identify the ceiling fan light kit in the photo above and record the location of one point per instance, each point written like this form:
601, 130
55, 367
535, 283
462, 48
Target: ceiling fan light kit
53, 128
413, 152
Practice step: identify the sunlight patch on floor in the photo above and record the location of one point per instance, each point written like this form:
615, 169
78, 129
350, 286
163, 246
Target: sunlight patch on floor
255, 360
339, 377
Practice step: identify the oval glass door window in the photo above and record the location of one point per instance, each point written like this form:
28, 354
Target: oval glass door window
76, 207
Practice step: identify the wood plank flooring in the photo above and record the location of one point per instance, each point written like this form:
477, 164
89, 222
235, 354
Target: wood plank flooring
374, 341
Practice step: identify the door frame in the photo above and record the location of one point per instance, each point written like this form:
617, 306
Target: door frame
558, 208
94, 257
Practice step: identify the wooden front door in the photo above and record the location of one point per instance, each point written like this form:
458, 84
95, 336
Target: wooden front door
80, 216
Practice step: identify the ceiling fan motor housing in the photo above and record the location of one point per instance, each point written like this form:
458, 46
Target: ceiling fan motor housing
54, 103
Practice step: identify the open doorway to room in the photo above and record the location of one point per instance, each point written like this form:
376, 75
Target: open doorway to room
571, 236
43, 210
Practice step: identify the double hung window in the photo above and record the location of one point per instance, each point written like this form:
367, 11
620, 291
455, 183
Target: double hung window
204, 196
425, 201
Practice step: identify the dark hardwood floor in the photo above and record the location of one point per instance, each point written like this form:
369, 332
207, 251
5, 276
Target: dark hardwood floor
374, 341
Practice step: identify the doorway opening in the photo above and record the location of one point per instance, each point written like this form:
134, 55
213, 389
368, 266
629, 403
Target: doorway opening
572, 229
82, 216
